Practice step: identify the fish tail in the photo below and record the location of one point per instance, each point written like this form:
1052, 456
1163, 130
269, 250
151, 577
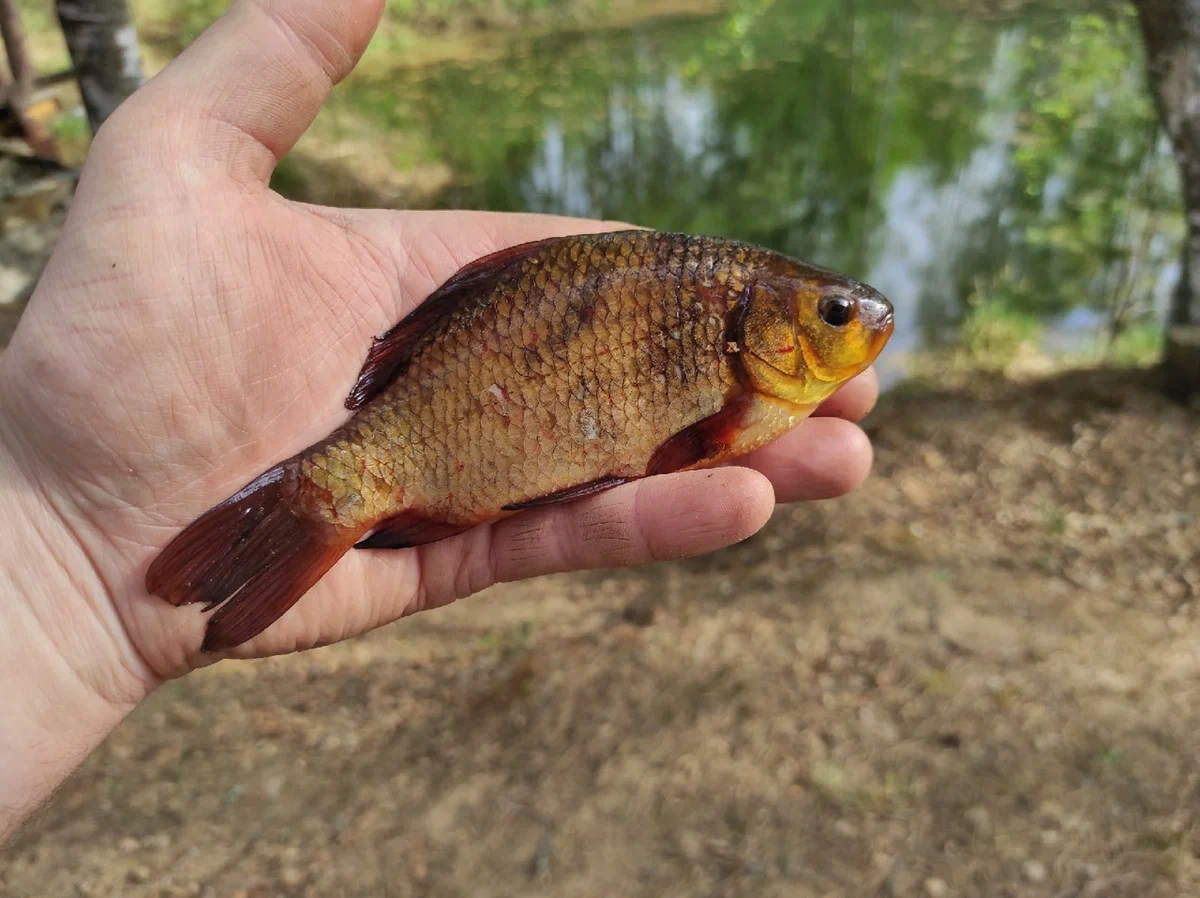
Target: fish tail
253, 554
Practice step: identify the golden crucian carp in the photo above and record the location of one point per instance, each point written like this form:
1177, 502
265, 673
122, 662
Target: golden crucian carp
539, 374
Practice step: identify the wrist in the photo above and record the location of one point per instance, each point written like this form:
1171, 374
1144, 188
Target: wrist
65, 681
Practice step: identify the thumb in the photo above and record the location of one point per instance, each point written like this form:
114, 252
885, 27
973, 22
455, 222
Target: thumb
241, 95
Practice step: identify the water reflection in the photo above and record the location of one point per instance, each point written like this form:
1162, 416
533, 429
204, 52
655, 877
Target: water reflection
947, 161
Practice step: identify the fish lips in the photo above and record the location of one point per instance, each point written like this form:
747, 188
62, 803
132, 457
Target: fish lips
878, 318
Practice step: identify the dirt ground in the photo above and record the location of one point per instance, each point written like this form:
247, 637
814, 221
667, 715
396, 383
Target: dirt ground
978, 676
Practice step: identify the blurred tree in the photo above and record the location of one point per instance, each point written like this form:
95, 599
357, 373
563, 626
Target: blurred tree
1092, 185
1172, 32
104, 51
16, 93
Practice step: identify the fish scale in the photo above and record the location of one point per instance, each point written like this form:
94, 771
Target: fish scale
448, 370
534, 376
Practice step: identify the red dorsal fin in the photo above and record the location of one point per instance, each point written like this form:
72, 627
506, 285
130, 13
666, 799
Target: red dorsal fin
390, 354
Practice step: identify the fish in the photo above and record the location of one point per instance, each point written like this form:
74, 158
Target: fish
536, 375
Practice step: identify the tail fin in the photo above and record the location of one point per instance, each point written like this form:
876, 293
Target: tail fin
253, 555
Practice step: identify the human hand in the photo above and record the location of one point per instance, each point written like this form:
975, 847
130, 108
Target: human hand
194, 328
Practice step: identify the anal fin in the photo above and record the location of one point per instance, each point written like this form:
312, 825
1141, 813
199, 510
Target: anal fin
705, 441
408, 529
569, 494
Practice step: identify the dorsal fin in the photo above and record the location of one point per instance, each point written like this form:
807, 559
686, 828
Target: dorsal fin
390, 354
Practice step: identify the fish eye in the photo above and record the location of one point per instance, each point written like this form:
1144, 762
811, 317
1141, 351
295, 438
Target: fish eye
836, 310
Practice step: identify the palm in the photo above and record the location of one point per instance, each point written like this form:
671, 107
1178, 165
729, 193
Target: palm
229, 367
194, 329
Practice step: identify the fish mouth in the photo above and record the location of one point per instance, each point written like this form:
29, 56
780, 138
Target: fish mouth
878, 319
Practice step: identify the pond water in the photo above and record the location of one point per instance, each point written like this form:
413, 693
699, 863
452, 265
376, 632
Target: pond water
1008, 163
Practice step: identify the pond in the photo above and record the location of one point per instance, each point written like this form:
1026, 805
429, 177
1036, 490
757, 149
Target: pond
966, 167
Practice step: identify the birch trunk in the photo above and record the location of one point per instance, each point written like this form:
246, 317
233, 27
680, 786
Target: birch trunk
104, 52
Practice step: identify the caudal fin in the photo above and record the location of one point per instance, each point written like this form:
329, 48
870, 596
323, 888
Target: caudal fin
252, 555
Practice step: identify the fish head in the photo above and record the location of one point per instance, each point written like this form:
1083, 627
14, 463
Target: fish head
807, 331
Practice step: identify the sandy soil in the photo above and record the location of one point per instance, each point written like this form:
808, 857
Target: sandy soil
980, 675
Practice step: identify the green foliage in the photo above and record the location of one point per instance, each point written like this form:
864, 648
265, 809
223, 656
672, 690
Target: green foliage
800, 114
37, 16
72, 133
287, 180
993, 333
1140, 344
1093, 181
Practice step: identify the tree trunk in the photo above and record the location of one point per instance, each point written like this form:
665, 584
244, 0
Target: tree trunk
1172, 32
16, 94
104, 52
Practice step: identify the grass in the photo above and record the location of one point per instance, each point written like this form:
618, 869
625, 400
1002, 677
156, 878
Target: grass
995, 337
1138, 345
993, 333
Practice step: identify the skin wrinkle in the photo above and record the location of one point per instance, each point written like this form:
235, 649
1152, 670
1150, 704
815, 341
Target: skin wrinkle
560, 540
526, 531
605, 525
529, 553
275, 142
102, 280
382, 264
324, 47
126, 651
426, 269
371, 258
602, 532
203, 278
473, 569
246, 161
338, 296
117, 214
590, 529
687, 527
350, 337
167, 156
247, 340
134, 354
301, 371
280, 376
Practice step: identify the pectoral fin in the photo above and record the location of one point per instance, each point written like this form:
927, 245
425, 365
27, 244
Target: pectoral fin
707, 440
